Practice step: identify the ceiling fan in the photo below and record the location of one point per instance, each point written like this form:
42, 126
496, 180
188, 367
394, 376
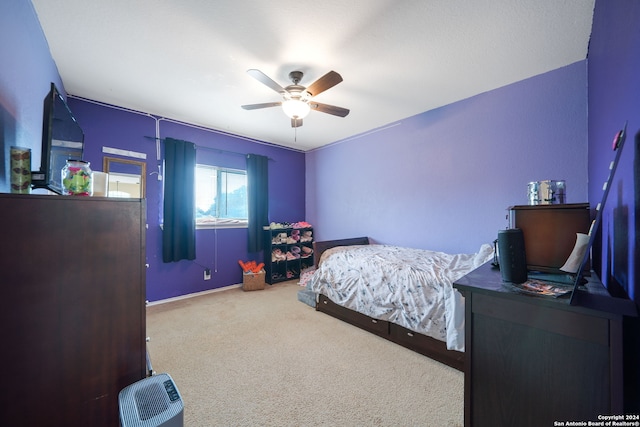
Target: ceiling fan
297, 100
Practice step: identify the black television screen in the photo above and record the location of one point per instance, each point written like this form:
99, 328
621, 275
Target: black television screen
594, 298
62, 139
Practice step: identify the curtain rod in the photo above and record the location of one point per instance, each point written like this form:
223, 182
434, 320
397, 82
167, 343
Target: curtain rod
209, 148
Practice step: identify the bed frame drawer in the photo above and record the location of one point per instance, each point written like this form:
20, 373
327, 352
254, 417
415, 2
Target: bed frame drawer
378, 327
425, 345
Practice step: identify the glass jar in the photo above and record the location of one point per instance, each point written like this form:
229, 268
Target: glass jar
77, 179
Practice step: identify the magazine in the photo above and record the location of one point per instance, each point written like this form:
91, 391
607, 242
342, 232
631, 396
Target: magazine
538, 287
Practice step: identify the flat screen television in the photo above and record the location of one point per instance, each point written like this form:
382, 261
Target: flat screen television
587, 299
62, 139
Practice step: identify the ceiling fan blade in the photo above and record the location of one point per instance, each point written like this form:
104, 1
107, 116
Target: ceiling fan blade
296, 123
329, 109
263, 105
325, 82
266, 80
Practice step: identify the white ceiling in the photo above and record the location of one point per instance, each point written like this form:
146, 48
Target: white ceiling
187, 59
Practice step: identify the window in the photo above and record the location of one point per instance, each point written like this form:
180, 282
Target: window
221, 197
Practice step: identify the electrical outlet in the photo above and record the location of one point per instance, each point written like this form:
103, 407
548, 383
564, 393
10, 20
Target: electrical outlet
207, 274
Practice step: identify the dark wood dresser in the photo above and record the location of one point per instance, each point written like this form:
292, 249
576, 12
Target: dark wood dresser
73, 307
531, 361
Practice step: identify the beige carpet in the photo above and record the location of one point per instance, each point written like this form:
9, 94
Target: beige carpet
263, 358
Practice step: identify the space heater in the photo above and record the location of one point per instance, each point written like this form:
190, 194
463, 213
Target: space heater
151, 402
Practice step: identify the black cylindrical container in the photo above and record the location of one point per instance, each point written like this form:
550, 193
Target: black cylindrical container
511, 255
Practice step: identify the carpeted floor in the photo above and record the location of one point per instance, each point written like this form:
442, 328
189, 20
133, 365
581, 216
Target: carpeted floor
263, 358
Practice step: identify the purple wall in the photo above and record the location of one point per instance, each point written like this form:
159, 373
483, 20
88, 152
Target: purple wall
444, 179
218, 250
26, 73
614, 97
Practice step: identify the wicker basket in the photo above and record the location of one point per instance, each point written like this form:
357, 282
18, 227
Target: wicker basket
253, 281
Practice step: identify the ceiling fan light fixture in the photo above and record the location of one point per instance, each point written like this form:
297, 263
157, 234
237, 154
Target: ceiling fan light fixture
297, 99
295, 108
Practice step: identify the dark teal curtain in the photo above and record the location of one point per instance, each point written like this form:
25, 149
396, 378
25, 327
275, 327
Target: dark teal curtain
179, 229
258, 194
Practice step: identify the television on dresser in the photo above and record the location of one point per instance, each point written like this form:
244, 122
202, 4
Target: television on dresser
62, 139
579, 296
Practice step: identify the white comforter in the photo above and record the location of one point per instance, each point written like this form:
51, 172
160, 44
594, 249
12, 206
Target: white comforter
409, 287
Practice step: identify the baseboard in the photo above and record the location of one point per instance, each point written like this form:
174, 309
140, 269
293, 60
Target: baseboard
193, 295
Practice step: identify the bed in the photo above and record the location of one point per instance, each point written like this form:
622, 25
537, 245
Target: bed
404, 295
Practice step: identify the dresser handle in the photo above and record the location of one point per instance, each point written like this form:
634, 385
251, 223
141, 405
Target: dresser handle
325, 302
374, 321
410, 334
